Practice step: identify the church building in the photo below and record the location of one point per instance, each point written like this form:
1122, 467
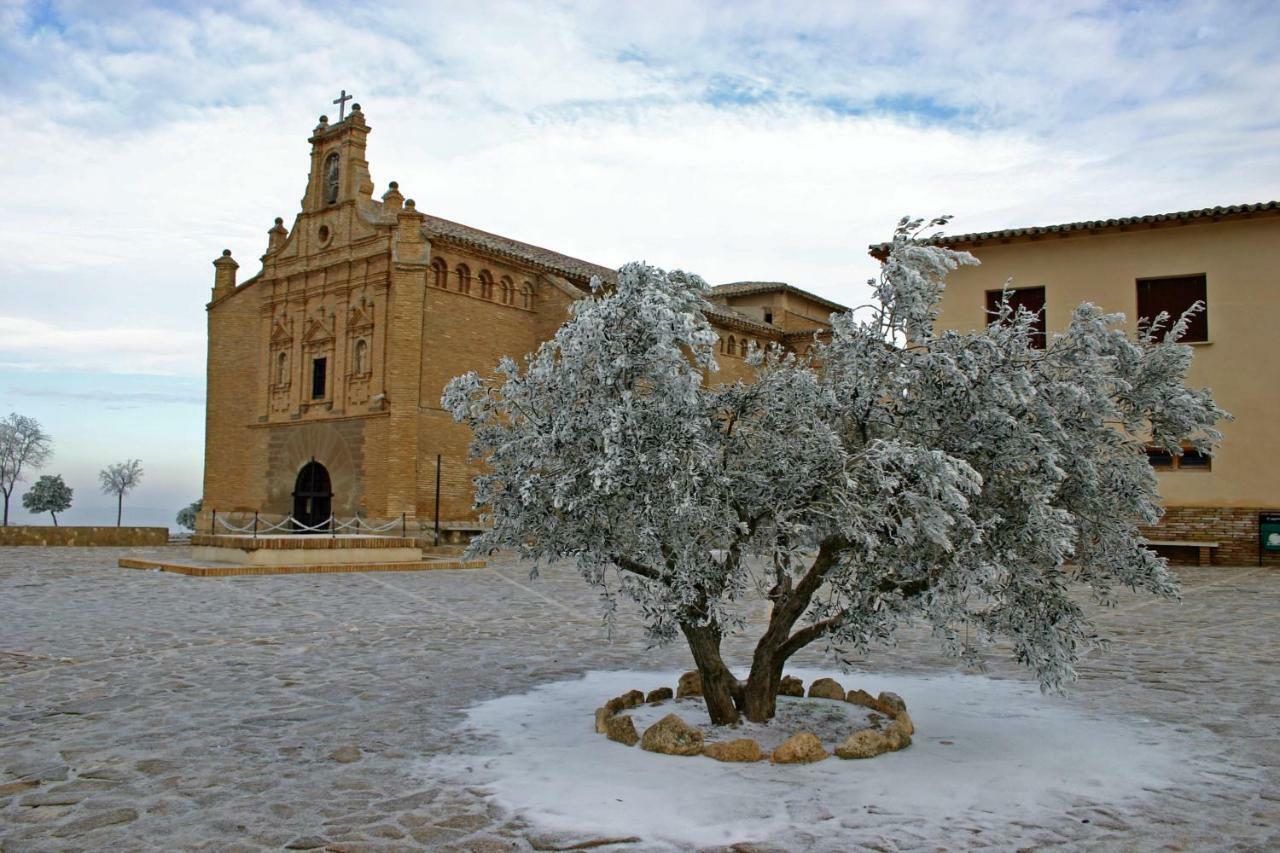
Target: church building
325, 368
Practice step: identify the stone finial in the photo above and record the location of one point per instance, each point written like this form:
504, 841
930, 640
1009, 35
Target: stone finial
410, 204
276, 236
224, 275
392, 198
324, 121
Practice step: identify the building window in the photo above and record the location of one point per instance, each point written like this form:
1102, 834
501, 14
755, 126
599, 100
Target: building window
318, 367
1190, 460
733, 345
508, 291
526, 295
282, 368
331, 178
486, 284
360, 359
440, 273
1030, 298
464, 278
1173, 295
768, 316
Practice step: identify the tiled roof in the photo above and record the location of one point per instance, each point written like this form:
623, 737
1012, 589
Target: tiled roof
740, 288
578, 271
1092, 226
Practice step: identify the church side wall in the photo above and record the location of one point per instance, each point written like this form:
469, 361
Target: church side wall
462, 332
235, 454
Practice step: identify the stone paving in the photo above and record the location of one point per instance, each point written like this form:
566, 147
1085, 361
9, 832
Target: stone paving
150, 711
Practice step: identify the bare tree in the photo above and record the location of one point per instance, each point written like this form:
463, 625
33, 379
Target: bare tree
119, 479
23, 444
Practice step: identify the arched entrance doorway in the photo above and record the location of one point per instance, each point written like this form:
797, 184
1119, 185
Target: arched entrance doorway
312, 495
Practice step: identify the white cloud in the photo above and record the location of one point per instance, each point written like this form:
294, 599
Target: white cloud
740, 140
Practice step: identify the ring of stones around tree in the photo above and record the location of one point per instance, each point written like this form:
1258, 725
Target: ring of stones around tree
888, 725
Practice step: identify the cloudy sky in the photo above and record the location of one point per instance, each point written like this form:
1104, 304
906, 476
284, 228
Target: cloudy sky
741, 140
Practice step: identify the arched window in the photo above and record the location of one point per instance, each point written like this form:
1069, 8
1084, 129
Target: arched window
440, 271
486, 284
464, 278
360, 358
722, 345
508, 291
733, 345
331, 178
282, 368
526, 295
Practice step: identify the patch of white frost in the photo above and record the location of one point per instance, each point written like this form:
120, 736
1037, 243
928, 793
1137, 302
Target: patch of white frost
986, 752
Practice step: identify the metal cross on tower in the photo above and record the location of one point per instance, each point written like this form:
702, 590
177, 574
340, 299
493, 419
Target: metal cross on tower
341, 101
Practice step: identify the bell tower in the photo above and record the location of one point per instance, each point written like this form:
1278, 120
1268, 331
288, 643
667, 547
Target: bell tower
339, 171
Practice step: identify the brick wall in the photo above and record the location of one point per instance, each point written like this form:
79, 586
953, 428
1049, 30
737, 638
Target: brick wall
1235, 529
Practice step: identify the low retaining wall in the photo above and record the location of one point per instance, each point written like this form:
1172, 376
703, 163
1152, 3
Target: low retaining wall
39, 534
1235, 529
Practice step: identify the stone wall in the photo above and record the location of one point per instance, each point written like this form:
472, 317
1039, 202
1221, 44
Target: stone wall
48, 535
1235, 529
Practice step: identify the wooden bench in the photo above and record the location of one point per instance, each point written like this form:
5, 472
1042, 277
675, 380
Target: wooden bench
1205, 549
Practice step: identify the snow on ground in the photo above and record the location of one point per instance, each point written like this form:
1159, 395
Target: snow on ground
986, 752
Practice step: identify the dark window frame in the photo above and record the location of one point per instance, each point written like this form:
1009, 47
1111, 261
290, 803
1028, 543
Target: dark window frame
319, 377
1204, 461
1198, 331
1039, 338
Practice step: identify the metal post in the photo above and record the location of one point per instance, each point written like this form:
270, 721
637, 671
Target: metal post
213, 521
403, 530
333, 531
255, 524
437, 537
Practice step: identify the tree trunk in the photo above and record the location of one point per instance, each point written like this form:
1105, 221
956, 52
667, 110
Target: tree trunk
119, 507
760, 697
719, 687
55, 518
6, 509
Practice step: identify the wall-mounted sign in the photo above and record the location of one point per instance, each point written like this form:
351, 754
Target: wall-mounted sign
1268, 533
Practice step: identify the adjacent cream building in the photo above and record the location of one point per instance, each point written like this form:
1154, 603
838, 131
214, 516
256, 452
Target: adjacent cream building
1227, 256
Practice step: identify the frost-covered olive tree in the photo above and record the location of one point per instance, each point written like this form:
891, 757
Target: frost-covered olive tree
893, 473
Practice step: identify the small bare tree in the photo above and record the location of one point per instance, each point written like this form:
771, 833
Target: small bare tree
118, 480
49, 494
23, 444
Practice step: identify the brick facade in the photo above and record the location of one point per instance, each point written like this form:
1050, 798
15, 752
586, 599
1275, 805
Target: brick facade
396, 303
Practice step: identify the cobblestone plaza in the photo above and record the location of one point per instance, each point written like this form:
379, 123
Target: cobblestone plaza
150, 711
